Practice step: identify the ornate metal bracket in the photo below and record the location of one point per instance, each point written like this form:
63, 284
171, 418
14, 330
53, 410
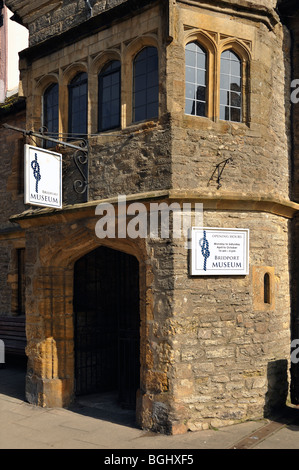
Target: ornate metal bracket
80, 158
219, 169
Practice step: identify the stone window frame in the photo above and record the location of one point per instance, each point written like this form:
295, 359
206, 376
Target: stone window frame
214, 47
244, 55
92, 66
66, 76
206, 42
98, 63
131, 51
38, 99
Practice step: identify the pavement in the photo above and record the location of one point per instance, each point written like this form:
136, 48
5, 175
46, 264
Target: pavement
97, 423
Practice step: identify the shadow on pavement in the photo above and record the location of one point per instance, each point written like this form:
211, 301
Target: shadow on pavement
99, 406
12, 377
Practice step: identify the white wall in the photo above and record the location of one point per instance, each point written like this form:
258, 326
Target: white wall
16, 38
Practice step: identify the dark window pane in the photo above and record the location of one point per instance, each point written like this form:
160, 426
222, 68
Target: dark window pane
152, 95
145, 84
235, 99
50, 113
109, 96
236, 114
78, 105
140, 98
152, 110
200, 109
201, 93
139, 114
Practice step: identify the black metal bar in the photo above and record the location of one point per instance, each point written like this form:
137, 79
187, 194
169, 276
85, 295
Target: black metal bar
41, 136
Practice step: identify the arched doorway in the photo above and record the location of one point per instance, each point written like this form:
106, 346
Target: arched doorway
106, 324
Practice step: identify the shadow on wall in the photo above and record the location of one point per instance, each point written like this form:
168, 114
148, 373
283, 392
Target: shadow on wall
276, 396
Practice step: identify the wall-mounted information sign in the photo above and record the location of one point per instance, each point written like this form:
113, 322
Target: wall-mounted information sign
43, 177
219, 251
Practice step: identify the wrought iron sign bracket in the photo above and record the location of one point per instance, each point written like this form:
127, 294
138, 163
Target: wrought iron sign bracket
80, 156
219, 169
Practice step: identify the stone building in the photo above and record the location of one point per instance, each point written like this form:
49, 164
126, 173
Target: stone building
183, 101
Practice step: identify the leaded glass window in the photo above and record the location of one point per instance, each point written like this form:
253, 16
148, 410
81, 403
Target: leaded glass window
230, 87
50, 113
109, 96
195, 79
78, 106
146, 85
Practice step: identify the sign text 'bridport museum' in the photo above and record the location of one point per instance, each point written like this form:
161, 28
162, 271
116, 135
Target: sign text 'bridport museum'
219, 251
43, 177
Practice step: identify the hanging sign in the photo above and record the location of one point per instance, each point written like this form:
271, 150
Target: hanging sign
219, 251
43, 177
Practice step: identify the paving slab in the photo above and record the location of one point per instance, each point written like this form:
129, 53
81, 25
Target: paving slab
96, 423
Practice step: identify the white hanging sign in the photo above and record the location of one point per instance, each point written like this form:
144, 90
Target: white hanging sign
219, 251
43, 177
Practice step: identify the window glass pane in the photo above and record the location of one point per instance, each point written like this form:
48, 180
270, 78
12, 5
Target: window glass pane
78, 105
50, 113
235, 99
230, 87
201, 60
222, 112
145, 84
140, 114
195, 80
189, 106
152, 110
201, 93
201, 77
190, 90
200, 109
140, 98
224, 82
224, 97
236, 114
190, 58
190, 74
109, 96
225, 66
152, 95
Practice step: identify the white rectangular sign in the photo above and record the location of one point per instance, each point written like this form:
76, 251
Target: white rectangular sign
43, 177
219, 251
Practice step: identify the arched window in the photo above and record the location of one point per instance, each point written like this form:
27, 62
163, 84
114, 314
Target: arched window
230, 87
146, 85
109, 96
78, 105
195, 78
50, 112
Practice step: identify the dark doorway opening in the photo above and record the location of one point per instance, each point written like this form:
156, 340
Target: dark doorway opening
107, 320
